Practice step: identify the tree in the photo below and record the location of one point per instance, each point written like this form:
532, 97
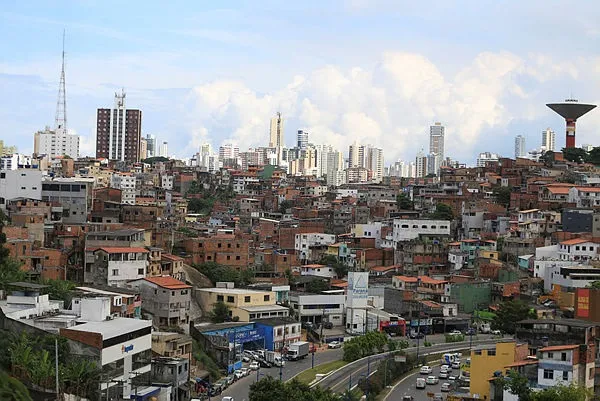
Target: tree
60, 290
12, 389
220, 312
508, 314
575, 155
517, 384
155, 159
284, 206
594, 156
595, 284
404, 202
502, 195
317, 285
547, 158
201, 205
563, 393
270, 389
442, 212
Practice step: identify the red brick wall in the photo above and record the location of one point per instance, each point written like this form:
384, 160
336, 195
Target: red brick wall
91, 339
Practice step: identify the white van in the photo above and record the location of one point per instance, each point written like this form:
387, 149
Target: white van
421, 383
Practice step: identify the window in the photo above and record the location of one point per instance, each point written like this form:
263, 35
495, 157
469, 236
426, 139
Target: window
228, 245
230, 299
115, 272
548, 374
246, 299
267, 298
220, 298
563, 356
141, 272
477, 352
218, 245
550, 355
404, 225
491, 352
238, 258
565, 375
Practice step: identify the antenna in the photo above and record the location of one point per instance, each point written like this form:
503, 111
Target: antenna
61, 103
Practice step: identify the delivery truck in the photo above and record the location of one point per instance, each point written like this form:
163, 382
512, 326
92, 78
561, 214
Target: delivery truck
298, 350
274, 358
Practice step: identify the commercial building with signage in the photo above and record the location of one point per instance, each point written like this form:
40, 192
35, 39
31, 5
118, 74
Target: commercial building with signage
227, 341
279, 333
125, 347
356, 302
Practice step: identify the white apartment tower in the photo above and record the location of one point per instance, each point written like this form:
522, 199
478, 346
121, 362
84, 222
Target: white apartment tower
520, 146
229, 151
276, 132
436, 140
56, 143
375, 163
420, 165
548, 140
163, 149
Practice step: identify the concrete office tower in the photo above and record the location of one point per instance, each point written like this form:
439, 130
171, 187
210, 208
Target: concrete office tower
548, 140
302, 139
570, 110
276, 138
163, 150
55, 143
436, 140
118, 132
151, 149
520, 146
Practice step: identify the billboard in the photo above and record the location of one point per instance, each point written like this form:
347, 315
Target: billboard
583, 302
358, 289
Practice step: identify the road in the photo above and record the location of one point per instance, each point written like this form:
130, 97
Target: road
408, 386
240, 389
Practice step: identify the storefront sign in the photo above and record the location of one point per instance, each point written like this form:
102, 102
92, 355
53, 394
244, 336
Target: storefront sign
126, 348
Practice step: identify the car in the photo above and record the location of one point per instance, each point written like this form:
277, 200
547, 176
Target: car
414, 335
408, 398
222, 383
445, 387
443, 375
227, 398
254, 365
452, 378
334, 344
432, 380
260, 353
230, 379
246, 358
215, 390
470, 332
455, 333
245, 371
238, 374
455, 365
496, 332
420, 383
264, 364
328, 325
438, 397
425, 370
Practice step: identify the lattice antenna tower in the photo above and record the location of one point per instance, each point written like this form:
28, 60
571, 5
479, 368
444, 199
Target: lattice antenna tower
61, 104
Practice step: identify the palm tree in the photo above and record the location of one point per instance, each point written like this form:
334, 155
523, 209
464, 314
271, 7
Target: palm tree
21, 355
79, 376
42, 370
12, 389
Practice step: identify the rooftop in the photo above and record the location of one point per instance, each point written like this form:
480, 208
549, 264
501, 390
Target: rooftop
263, 308
119, 249
559, 347
575, 241
113, 328
232, 291
168, 282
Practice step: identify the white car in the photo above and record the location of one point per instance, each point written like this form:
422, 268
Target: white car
443, 375
227, 398
445, 387
254, 365
455, 333
452, 378
425, 370
420, 383
496, 332
334, 344
432, 380
456, 365
238, 374
245, 371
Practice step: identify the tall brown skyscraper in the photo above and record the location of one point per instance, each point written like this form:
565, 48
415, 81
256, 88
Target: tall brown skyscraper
118, 132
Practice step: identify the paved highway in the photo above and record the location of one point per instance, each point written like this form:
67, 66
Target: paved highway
408, 386
240, 390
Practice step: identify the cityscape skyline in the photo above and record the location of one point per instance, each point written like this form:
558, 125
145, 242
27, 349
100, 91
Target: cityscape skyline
491, 89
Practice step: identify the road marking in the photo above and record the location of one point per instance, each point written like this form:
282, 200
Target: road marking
404, 378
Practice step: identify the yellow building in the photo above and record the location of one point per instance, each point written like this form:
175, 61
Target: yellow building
247, 305
488, 254
488, 359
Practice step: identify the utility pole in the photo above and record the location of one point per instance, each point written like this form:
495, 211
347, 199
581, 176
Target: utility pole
281, 353
322, 321
56, 365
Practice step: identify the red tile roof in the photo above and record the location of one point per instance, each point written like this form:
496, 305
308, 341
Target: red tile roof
575, 241
407, 279
559, 347
385, 268
168, 282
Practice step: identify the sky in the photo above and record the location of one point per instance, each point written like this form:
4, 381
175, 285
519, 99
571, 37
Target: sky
374, 71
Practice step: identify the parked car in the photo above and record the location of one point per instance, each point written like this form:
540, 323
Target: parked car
254, 365
238, 374
445, 387
227, 398
328, 325
415, 335
222, 383
432, 380
230, 379
455, 365
260, 353
408, 398
425, 370
264, 364
334, 344
245, 371
496, 332
455, 333
246, 358
438, 397
470, 332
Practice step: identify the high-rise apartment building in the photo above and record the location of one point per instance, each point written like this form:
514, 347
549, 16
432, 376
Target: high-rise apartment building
229, 151
302, 139
56, 143
353, 155
118, 132
276, 138
375, 163
520, 146
487, 157
163, 149
420, 165
548, 140
6, 150
143, 148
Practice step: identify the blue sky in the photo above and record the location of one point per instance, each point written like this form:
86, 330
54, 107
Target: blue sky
375, 71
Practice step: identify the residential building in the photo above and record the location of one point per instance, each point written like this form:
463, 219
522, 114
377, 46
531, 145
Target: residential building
171, 345
436, 140
115, 266
487, 157
20, 183
166, 299
163, 149
421, 165
174, 371
73, 194
548, 140
316, 308
151, 149
520, 146
279, 332
302, 139
566, 364
311, 246
247, 305
56, 143
126, 182
6, 150
487, 359
408, 229
118, 132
